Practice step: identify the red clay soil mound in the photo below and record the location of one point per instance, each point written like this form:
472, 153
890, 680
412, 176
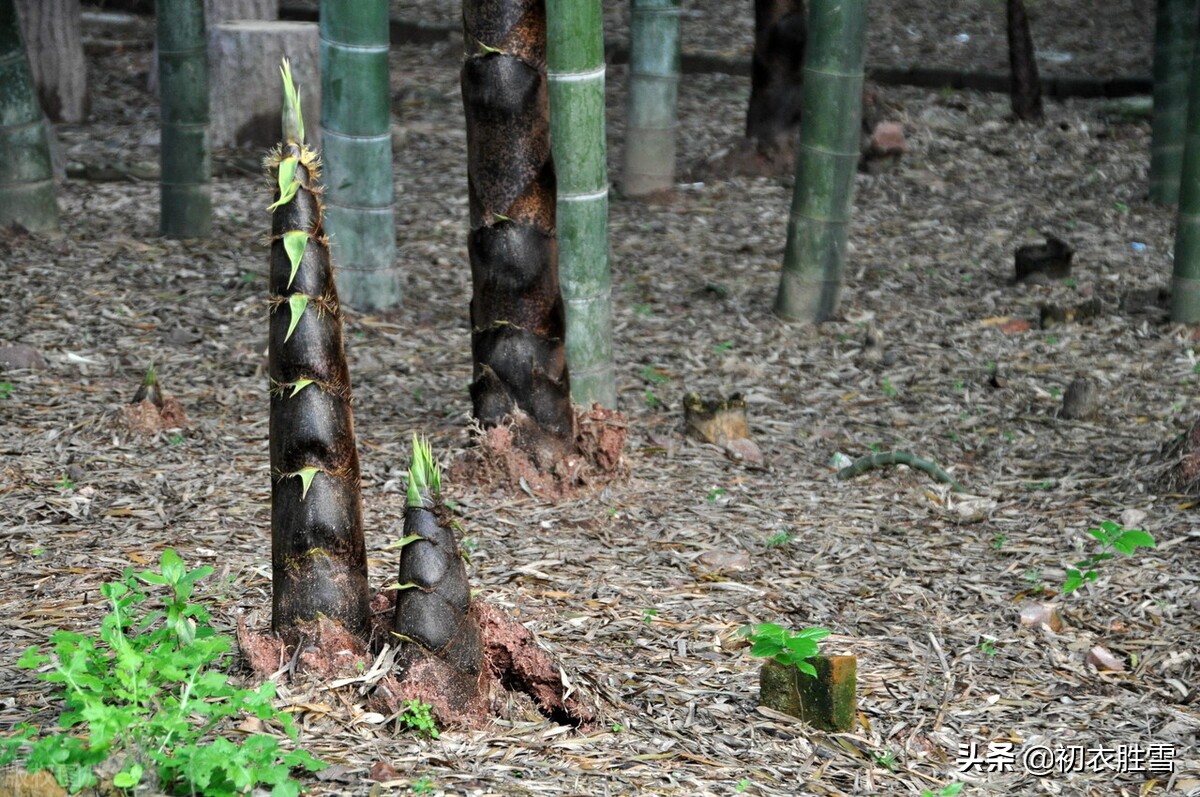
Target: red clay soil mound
498, 461
517, 674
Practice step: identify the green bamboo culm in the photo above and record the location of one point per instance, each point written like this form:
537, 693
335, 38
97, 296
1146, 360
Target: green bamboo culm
1173, 32
318, 554
27, 194
651, 117
1185, 278
826, 160
185, 187
575, 69
357, 146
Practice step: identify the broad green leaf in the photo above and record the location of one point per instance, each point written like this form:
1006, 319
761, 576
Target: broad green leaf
1074, 581
806, 668
294, 243
1132, 539
297, 303
299, 385
306, 478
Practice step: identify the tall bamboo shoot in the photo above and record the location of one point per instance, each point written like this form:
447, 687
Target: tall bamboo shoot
318, 556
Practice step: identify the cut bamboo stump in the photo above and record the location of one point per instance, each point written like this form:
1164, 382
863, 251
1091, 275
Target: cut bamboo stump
1048, 261
244, 59
827, 702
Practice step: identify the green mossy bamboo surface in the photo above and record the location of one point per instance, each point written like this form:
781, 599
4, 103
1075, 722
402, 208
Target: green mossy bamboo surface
826, 160
27, 194
318, 556
433, 599
1173, 33
575, 66
1185, 277
186, 164
357, 147
650, 111
517, 314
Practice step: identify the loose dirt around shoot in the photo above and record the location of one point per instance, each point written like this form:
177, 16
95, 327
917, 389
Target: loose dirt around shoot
639, 587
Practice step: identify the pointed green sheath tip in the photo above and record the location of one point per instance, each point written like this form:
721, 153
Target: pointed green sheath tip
288, 184
293, 118
151, 378
297, 303
295, 243
306, 475
299, 385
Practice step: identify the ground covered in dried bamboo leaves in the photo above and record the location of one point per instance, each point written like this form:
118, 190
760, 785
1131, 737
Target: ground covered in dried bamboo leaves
639, 588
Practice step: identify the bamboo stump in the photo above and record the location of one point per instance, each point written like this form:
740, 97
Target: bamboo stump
1051, 260
245, 108
826, 702
1082, 399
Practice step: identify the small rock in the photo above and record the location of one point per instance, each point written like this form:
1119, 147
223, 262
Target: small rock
1102, 660
20, 356
383, 771
744, 450
1132, 518
1036, 615
887, 140
720, 561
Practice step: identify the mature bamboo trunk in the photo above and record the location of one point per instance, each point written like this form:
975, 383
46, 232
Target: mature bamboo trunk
318, 557
776, 75
54, 36
186, 191
217, 12
826, 160
517, 315
1026, 90
651, 117
1173, 33
1185, 279
575, 62
27, 194
357, 145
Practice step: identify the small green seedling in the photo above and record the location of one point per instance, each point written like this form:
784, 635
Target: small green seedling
648, 615
780, 539
742, 785
6, 389
654, 375
417, 716
714, 494
422, 785
1113, 539
790, 648
888, 390
723, 346
652, 401
999, 540
987, 647
949, 790
886, 759
65, 483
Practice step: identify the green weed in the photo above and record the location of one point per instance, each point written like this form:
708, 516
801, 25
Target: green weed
146, 694
1113, 539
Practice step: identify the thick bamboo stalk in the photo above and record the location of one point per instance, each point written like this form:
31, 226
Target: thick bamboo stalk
1185, 278
1026, 92
27, 194
517, 315
318, 556
575, 67
357, 146
1173, 33
776, 78
826, 160
185, 187
651, 116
